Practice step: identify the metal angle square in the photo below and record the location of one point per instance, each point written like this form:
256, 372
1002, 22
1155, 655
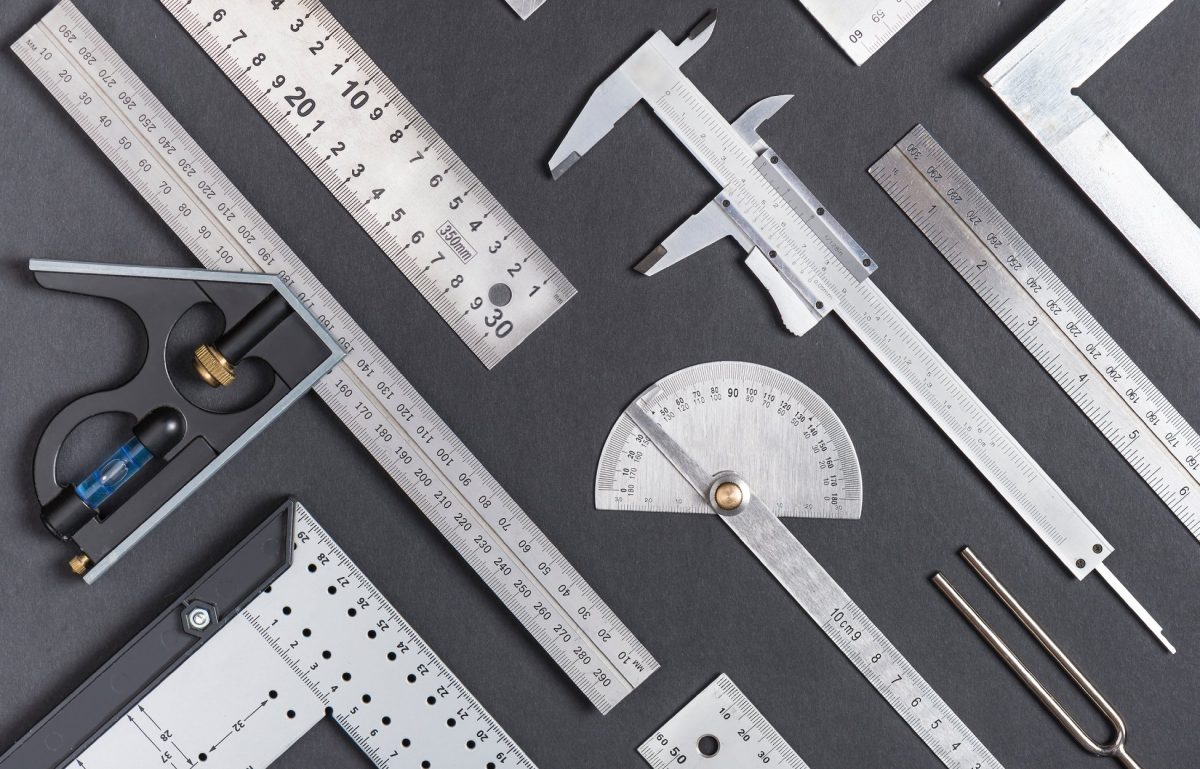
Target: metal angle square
1037, 80
525, 8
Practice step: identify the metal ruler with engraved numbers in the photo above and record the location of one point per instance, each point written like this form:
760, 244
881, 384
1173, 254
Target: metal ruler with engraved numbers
862, 27
385, 164
1047, 318
722, 729
367, 392
284, 632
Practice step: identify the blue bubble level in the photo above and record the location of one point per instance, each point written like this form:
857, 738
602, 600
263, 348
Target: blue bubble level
113, 473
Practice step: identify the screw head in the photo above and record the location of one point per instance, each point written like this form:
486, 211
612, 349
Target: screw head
198, 618
728, 496
1097, 549
1080, 563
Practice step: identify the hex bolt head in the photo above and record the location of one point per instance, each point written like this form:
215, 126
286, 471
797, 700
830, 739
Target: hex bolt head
197, 618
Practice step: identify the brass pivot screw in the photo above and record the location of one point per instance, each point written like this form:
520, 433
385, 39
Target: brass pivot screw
212, 366
728, 496
80, 564
215, 363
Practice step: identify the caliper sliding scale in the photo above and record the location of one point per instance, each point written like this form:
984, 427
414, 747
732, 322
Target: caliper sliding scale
283, 632
385, 164
367, 392
1047, 318
525, 8
722, 729
1037, 81
712, 438
862, 27
811, 266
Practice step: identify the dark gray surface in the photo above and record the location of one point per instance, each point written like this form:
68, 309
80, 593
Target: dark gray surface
502, 92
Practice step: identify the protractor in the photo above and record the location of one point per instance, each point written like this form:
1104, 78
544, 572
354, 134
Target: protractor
733, 417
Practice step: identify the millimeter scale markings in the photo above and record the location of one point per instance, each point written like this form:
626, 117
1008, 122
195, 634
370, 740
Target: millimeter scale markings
862, 27
1052, 324
386, 165
367, 392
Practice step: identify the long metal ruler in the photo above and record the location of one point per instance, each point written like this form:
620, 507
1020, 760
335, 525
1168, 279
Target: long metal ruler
666, 429
1037, 81
1050, 321
862, 27
283, 633
385, 164
367, 392
525, 8
811, 266
719, 729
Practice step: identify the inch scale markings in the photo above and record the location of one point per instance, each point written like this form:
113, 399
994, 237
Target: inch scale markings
862, 27
722, 729
1052, 324
367, 392
385, 164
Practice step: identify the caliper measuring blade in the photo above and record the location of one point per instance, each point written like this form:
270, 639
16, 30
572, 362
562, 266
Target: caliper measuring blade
676, 420
815, 267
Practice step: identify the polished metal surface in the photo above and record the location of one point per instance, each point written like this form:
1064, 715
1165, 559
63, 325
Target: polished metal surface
721, 729
1116, 746
386, 165
525, 8
862, 27
366, 391
1057, 329
743, 417
655, 431
1037, 81
322, 641
808, 277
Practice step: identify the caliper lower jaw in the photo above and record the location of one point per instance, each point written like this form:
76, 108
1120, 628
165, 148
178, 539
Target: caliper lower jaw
801, 302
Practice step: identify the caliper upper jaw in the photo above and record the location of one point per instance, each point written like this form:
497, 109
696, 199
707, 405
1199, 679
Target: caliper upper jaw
620, 92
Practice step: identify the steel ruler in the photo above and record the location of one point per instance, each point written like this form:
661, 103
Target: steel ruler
862, 27
811, 266
525, 8
1050, 321
669, 428
720, 729
367, 392
385, 164
1037, 81
283, 633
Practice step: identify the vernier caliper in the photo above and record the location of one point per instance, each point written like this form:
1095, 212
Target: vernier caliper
811, 266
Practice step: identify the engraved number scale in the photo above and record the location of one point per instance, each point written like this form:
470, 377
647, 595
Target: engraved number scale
862, 27
811, 266
368, 393
385, 164
707, 414
1047, 318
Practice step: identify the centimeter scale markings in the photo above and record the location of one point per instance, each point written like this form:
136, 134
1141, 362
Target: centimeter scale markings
811, 266
322, 640
367, 392
385, 164
862, 27
1047, 318
692, 422
719, 729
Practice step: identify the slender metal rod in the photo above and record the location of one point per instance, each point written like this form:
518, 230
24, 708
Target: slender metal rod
1115, 748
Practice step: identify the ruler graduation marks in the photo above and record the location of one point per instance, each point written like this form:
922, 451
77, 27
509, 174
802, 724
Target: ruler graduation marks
385, 164
722, 729
862, 27
367, 392
1047, 318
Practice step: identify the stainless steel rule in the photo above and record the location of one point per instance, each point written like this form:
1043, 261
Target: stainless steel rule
385, 164
1037, 81
811, 266
367, 392
525, 8
1050, 321
775, 430
744, 503
862, 27
719, 729
321, 641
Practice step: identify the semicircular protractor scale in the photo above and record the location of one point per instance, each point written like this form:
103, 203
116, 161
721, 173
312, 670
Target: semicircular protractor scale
753, 420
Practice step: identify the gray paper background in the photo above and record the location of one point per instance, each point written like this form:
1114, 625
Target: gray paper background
502, 92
